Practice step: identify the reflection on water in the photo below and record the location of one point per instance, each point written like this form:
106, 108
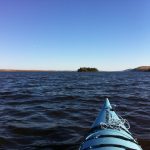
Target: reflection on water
55, 110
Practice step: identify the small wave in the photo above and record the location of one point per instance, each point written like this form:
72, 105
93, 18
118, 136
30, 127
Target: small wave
55, 110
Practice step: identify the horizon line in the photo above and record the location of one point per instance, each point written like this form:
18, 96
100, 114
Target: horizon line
53, 70
46, 70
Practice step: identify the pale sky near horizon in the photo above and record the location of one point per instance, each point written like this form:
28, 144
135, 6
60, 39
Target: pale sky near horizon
68, 34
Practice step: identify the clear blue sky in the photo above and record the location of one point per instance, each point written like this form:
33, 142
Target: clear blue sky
67, 34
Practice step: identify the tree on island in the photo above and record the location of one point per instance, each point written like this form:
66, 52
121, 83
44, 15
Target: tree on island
87, 69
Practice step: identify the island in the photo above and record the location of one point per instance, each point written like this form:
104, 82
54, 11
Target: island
142, 69
87, 69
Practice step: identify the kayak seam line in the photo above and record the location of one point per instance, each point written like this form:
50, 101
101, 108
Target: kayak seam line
108, 145
113, 136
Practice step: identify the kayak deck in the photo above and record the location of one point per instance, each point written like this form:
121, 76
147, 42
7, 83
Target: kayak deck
109, 132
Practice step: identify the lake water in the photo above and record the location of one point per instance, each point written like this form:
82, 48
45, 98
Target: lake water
54, 110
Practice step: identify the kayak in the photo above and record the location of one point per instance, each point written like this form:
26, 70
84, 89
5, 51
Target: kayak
109, 132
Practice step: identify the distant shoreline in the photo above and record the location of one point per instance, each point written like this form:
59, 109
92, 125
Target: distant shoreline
142, 69
84, 69
13, 70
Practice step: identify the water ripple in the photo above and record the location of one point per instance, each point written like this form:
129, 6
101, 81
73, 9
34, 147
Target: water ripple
54, 110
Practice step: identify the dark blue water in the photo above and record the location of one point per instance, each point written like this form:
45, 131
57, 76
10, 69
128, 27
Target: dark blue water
54, 110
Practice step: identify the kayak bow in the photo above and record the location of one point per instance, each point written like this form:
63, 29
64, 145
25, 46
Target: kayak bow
109, 132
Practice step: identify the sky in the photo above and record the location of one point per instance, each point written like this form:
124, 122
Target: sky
110, 35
